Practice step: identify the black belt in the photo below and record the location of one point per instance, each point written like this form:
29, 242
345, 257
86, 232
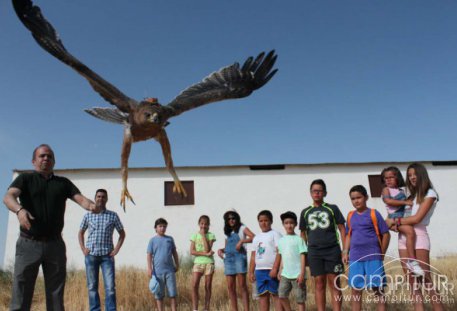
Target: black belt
40, 238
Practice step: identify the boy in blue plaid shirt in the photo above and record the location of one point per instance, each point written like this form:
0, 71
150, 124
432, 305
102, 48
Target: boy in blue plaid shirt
99, 250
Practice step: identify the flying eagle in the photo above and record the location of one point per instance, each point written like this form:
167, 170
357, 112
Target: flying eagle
148, 118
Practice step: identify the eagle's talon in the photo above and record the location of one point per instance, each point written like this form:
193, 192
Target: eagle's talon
179, 188
126, 194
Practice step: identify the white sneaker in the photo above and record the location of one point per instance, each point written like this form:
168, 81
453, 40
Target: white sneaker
415, 268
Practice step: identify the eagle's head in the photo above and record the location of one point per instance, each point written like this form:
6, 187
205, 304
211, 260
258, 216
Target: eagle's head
149, 112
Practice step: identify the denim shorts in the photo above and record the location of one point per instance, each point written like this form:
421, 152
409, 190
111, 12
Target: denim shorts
400, 213
235, 263
366, 274
166, 281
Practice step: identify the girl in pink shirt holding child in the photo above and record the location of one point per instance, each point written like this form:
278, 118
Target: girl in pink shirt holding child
397, 204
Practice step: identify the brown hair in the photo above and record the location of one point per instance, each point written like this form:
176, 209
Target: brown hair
423, 183
398, 176
203, 217
160, 221
319, 182
360, 189
102, 191
267, 214
227, 229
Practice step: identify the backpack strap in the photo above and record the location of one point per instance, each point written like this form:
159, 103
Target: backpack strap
374, 220
375, 224
348, 221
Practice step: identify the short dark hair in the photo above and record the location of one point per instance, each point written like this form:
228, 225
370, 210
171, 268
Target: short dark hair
204, 217
160, 221
101, 190
359, 188
319, 182
289, 215
40, 146
266, 213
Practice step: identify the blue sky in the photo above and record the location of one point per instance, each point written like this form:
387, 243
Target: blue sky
358, 81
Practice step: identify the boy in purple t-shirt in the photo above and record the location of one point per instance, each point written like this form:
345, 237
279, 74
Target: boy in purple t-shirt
367, 240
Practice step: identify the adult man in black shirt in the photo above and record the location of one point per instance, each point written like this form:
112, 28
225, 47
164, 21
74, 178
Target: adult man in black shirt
40, 211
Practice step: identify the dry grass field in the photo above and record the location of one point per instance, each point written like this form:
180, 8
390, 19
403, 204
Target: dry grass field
133, 293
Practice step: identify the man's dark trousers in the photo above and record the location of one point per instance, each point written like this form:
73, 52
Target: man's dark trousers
30, 254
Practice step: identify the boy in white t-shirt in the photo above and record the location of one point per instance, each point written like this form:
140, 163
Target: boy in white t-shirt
292, 250
264, 264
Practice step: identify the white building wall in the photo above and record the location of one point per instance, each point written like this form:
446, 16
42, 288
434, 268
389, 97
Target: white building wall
218, 189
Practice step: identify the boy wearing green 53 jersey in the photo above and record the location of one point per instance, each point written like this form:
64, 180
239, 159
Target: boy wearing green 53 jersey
321, 225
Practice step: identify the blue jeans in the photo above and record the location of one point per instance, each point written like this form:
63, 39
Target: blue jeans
93, 264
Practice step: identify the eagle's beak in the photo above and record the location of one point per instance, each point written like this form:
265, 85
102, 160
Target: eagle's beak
154, 118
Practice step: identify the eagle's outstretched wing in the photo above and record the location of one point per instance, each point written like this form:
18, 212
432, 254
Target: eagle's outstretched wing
46, 36
229, 82
109, 114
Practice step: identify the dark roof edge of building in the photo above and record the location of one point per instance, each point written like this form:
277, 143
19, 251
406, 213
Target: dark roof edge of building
257, 166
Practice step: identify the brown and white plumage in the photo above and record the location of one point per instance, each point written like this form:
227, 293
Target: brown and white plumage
147, 119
